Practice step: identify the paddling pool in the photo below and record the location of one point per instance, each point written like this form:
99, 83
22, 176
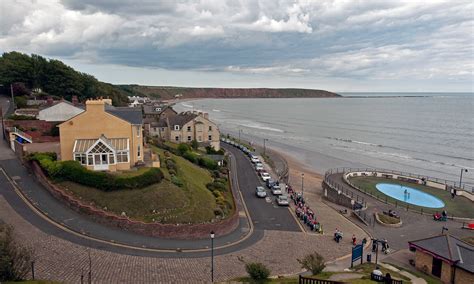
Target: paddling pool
410, 195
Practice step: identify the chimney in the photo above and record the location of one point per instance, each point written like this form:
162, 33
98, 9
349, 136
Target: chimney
74, 100
49, 101
206, 115
95, 105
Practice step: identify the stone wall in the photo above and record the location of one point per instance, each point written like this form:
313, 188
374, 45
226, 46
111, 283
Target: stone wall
39, 130
183, 231
423, 262
336, 196
462, 276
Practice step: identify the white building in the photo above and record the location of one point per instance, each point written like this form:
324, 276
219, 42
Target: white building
60, 111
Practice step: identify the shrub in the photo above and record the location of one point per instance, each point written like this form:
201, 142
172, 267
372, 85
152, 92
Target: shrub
21, 102
74, 171
313, 262
54, 131
216, 186
21, 117
257, 271
177, 181
171, 165
207, 163
15, 260
183, 148
190, 156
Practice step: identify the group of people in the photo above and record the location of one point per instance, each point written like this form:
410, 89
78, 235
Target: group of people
383, 242
440, 217
303, 211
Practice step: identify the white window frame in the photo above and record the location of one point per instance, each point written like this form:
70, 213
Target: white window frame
139, 151
176, 127
210, 137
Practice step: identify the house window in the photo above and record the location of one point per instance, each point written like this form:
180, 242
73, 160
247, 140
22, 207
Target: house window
81, 158
189, 128
176, 138
163, 129
138, 131
199, 139
210, 137
176, 127
154, 129
90, 160
122, 157
189, 138
139, 152
210, 128
111, 158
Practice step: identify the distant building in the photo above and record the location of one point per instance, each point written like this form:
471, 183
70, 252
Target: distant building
186, 127
445, 257
158, 111
103, 137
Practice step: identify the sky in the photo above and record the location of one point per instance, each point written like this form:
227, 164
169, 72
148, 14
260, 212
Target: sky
337, 45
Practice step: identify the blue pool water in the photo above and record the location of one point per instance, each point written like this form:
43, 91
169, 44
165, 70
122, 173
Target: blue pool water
410, 195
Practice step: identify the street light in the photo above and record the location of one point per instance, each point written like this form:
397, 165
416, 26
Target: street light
212, 256
264, 147
302, 183
240, 131
460, 178
444, 229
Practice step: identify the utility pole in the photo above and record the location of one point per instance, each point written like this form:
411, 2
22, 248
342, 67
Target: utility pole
302, 183
264, 146
460, 178
13, 99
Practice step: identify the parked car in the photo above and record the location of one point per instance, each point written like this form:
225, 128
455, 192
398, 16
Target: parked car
260, 192
283, 200
254, 159
259, 167
270, 182
276, 189
265, 176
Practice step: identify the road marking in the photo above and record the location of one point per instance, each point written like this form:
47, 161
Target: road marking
297, 221
83, 235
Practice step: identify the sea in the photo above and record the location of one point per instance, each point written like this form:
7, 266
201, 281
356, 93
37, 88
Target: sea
431, 134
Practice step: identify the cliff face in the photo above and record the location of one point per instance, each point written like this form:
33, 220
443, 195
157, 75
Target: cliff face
167, 93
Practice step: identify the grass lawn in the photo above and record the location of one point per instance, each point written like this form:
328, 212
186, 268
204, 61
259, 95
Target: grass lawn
459, 206
163, 202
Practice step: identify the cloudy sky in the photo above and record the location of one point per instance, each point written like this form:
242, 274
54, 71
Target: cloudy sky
338, 45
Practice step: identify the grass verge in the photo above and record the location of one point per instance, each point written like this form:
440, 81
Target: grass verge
459, 206
387, 219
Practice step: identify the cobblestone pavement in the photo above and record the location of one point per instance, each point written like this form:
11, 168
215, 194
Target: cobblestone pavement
60, 260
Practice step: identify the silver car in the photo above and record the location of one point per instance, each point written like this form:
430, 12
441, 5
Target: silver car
282, 200
260, 192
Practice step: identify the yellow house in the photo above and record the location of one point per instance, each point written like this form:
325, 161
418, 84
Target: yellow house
103, 138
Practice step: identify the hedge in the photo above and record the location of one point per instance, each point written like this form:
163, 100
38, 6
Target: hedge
75, 172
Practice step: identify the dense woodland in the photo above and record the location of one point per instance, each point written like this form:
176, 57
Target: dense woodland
28, 72
53, 77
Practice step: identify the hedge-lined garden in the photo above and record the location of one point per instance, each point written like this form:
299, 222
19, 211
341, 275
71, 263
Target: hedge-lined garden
75, 172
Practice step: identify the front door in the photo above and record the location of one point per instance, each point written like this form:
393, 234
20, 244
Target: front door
101, 162
436, 267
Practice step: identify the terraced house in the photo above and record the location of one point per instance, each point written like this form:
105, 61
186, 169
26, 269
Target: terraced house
103, 137
186, 127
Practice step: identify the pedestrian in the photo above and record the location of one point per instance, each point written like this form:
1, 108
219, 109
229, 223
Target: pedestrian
354, 240
374, 246
364, 241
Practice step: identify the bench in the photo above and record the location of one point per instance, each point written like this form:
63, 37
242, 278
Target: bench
381, 278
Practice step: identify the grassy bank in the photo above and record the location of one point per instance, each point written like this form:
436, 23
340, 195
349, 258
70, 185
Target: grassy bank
459, 206
163, 202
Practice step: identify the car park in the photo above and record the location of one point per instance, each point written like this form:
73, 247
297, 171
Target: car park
260, 192
259, 167
282, 200
276, 189
265, 176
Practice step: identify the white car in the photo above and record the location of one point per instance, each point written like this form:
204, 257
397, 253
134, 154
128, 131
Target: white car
255, 159
276, 190
260, 192
265, 176
282, 200
259, 167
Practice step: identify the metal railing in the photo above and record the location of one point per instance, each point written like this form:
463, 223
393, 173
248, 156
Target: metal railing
22, 134
450, 183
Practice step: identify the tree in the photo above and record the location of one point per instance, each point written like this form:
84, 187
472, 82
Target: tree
313, 262
183, 148
15, 259
194, 144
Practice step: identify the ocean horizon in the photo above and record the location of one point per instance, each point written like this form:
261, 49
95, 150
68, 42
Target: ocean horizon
430, 134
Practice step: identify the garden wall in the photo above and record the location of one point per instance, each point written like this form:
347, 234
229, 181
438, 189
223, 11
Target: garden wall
182, 231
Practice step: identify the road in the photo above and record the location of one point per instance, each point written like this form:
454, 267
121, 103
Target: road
79, 229
264, 215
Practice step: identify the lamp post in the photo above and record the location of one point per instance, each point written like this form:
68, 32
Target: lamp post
240, 131
212, 256
444, 229
264, 146
460, 178
302, 183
